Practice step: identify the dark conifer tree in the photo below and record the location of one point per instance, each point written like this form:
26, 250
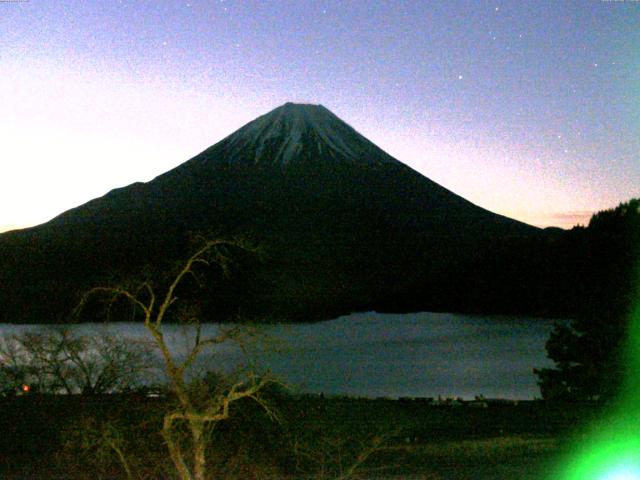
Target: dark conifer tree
589, 352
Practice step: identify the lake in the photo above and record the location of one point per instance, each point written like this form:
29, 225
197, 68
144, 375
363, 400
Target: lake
382, 355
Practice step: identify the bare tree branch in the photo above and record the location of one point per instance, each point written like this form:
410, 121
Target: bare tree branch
191, 411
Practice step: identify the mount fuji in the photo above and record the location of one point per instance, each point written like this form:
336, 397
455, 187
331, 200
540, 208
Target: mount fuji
343, 227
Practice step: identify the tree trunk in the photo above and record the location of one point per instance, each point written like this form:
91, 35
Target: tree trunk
174, 451
199, 450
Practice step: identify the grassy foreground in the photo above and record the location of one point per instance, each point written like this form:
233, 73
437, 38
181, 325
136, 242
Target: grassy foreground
77, 437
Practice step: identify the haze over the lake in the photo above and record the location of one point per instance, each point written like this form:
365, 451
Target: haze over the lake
528, 109
372, 354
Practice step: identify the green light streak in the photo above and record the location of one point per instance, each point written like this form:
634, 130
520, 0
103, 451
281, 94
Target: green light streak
612, 448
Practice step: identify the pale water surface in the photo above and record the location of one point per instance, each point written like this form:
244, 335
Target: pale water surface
381, 355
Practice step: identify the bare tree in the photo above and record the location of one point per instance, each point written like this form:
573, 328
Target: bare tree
57, 361
337, 455
197, 410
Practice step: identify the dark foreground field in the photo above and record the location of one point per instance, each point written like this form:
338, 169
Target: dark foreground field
83, 437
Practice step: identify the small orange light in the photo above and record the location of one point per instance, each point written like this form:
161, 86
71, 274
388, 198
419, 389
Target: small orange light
26, 388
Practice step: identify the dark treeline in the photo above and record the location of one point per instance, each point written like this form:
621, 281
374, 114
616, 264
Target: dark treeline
301, 277
579, 273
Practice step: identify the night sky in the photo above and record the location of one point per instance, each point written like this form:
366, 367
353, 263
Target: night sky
527, 108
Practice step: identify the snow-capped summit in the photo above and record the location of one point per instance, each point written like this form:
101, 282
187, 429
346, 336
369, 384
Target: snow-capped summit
297, 132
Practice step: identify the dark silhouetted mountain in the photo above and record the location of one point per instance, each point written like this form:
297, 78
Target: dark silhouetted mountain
343, 227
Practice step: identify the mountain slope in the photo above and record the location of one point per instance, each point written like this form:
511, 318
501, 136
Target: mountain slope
343, 225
